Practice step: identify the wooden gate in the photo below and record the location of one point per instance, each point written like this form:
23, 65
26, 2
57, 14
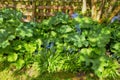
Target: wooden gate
41, 9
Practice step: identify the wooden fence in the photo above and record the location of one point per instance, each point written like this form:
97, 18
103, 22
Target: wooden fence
41, 9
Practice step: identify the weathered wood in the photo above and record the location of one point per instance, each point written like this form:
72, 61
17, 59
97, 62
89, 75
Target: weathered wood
115, 11
45, 14
34, 10
42, 10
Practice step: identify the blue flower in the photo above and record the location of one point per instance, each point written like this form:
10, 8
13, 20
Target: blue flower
114, 19
74, 15
50, 45
78, 28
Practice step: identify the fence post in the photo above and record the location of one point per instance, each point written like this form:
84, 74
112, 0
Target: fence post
14, 6
34, 10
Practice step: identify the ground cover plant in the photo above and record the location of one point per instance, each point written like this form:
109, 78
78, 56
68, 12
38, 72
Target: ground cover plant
60, 44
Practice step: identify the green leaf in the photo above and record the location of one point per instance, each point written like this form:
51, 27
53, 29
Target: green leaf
1, 20
2, 58
20, 63
64, 29
12, 57
53, 33
39, 42
11, 37
86, 51
116, 46
4, 44
31, 47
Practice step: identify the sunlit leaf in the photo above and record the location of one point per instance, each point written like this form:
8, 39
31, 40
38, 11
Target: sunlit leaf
12, 57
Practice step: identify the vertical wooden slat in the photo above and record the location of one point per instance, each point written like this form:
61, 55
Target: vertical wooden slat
34, 10
14, 6
46, 8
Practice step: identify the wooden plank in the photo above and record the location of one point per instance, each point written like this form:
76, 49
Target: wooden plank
44, 10
45, 14
34, 11
56, 7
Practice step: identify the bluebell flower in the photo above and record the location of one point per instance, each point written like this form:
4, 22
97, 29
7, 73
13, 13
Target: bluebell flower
74, 15
78, 28
115, 18
50, 45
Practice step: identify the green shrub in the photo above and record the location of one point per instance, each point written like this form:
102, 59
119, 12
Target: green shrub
78, 41
15, 46
58, 44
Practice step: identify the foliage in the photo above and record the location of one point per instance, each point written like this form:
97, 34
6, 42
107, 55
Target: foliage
78, 41
57, 43
14, 36
115, 45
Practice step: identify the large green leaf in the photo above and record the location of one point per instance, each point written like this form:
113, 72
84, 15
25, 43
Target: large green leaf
20, 63
1, 19
12, 57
